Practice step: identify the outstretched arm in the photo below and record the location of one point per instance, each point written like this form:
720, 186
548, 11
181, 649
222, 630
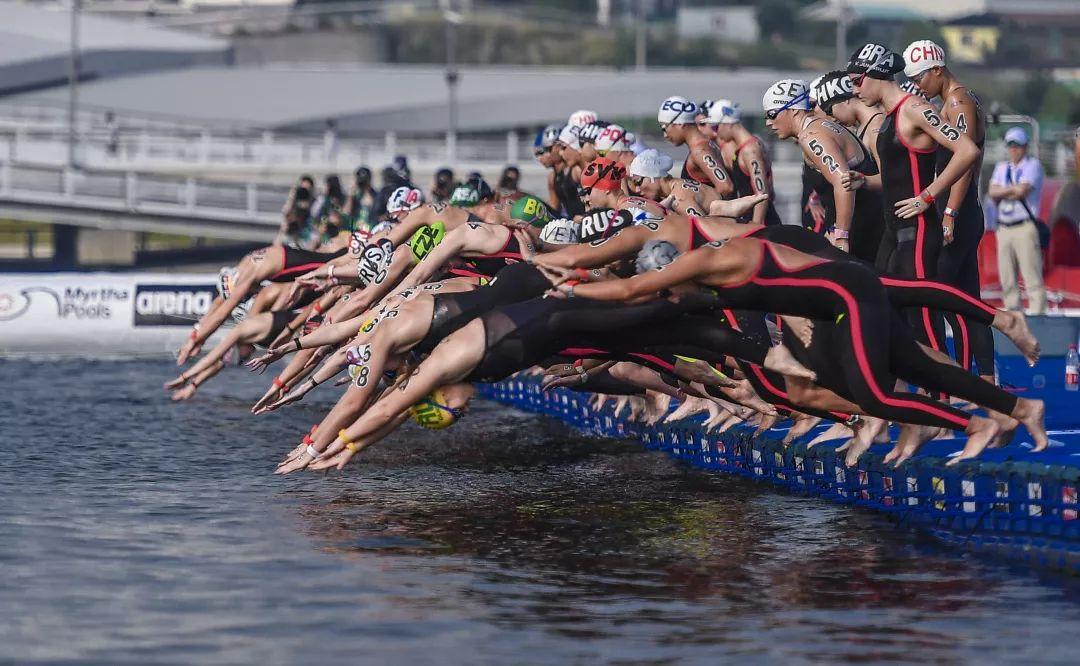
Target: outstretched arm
598, 253
685, 268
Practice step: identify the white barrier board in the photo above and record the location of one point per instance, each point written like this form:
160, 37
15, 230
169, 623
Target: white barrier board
87, 314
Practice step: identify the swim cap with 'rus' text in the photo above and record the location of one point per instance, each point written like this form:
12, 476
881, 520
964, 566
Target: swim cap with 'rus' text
601, 223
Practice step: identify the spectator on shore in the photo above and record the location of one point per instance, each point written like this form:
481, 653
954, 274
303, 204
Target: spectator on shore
443, 186
507, 189
1015, 189
394, 176
361, 201
296, 213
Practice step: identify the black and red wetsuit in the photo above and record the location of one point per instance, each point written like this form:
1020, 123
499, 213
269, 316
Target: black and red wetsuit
296, 262
912, 246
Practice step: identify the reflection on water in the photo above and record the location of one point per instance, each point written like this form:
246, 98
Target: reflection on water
140, 531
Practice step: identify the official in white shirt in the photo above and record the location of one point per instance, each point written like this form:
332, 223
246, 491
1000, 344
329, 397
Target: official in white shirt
1015, 188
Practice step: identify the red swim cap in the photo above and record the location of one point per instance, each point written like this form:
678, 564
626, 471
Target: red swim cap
603, 174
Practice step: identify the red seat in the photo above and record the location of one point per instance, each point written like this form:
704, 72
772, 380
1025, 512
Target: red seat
988, 264
1064, 244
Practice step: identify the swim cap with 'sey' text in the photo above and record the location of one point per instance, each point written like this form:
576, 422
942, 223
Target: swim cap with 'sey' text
787, 94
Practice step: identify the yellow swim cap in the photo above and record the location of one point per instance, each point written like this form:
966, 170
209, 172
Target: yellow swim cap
432, 412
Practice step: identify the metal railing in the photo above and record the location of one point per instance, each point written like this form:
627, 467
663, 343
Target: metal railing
195, 199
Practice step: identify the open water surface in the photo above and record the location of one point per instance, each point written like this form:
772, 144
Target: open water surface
133, 530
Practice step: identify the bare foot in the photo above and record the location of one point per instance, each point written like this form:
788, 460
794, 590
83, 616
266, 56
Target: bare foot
1032, 413
736, 207
690, 405
981, 431
637, 407
767, 421
731, 420
866, 431
1014, 326
915, 437
835, 431
656, 406
804, 423
779, 359
1007, 426
745, 394
620, 403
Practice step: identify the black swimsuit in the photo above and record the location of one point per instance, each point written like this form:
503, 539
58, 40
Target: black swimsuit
744, 186
916, 242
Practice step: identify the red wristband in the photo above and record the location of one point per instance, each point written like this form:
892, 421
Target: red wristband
927, 197
279, 384
194, 335
317, 308
581, 273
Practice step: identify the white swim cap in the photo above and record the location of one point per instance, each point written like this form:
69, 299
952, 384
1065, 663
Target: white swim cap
922, 55
404, 198
787, 94
651, 164
724, 112
562, 231
581, 117
569, 136
677, 111
612, 137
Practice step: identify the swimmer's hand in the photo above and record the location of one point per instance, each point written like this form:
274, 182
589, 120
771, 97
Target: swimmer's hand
273, 393
259, 364
736, 207
852, 180
908, 208
556, 274
337, 455
295, 395
175, 383
184, 393
187, 350
526, 245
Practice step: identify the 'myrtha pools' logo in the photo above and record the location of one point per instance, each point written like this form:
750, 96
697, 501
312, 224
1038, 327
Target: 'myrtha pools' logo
70, 303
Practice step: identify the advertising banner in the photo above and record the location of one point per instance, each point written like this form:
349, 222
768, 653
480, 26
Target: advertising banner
86, 314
